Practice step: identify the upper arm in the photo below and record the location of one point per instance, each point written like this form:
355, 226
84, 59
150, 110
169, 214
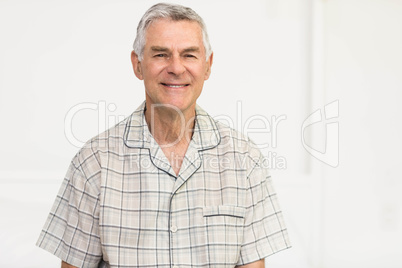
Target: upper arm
74, 218
264, 230
66, 265
257, 264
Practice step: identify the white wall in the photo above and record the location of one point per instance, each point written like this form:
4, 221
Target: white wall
363, 69
282, 59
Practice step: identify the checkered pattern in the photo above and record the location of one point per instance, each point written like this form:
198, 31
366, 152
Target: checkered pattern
121, 204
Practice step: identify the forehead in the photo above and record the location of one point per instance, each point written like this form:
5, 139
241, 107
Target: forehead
166, 32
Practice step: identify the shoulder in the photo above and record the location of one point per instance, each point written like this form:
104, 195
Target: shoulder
113, 139
234, 141
88, 157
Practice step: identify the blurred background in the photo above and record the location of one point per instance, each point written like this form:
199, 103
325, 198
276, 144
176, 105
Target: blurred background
317, 83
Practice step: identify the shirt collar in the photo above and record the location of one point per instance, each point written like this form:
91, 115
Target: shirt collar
137, 135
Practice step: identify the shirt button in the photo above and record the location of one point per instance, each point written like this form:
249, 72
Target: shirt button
174, 229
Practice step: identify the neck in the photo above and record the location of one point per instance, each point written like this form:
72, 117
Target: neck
170, 126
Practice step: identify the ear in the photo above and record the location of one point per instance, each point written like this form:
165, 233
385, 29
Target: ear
136, 65
209, 65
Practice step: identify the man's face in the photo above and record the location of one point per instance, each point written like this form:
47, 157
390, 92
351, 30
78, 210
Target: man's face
174, 66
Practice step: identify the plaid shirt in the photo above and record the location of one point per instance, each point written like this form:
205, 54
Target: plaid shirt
122, 205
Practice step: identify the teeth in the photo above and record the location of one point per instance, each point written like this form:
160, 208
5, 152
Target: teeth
175, 85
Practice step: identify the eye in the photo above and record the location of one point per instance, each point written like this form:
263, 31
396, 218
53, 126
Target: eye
160, 55
189, 56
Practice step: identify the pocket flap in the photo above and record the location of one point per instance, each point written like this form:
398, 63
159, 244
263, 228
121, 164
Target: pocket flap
224, 211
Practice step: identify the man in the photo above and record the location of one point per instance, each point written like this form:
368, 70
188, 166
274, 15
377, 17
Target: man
168, 186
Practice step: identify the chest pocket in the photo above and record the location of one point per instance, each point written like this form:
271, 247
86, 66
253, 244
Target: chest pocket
224, 231
231, 211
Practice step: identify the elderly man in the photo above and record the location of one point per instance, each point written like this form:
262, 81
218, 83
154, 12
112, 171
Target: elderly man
168, 186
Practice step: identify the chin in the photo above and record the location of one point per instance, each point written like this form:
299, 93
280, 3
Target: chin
178, 103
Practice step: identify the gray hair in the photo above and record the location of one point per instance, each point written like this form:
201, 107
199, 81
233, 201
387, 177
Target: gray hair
168, 11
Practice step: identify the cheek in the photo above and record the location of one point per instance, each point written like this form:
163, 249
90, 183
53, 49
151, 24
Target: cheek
198, 72
152, 71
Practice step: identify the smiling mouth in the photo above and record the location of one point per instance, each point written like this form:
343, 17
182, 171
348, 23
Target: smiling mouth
175, 85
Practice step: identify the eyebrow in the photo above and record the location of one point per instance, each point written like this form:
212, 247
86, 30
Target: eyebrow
191, 49
159, 49
165, 49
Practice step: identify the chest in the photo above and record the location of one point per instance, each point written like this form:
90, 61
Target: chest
139, 182
144, 207
175, 156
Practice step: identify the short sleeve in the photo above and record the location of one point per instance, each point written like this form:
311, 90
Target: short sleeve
264, 231
71, 231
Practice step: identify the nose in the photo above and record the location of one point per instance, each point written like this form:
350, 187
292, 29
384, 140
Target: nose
175, 66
